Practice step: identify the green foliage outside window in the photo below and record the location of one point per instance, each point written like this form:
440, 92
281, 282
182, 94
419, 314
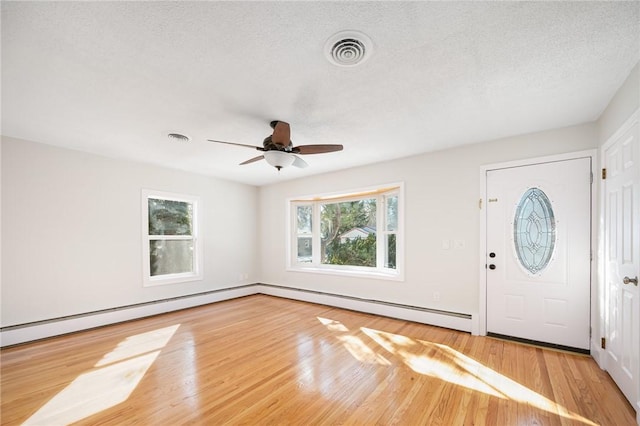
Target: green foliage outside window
359, 230
338, 219
172, 218
356, 252
168, 217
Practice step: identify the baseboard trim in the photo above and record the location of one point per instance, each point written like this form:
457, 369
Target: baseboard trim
37, 330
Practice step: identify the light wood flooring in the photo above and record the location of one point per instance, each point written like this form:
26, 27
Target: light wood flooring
265, 360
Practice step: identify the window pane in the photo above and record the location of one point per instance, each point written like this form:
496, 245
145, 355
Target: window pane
534, 230
392, 213
390, 255
348, 233
168, 217
171, 256
304, 249
304, 219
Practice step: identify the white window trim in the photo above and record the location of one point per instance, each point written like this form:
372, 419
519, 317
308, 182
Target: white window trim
197, 274
315, 266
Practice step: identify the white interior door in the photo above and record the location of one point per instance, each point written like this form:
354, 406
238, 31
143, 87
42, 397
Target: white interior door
622, 260
539, 252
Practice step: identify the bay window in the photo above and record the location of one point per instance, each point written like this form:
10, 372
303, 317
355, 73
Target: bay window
352, 233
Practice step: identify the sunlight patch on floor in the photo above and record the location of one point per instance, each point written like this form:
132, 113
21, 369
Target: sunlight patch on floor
139, 344
332, 324
431, 363
116, 377
445, 363
360, 351
356, 347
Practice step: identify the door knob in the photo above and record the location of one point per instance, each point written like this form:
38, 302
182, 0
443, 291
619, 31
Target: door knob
627, 280
492, 266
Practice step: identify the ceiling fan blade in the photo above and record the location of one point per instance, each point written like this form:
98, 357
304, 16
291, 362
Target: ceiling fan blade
281, 134
316, 149
252, 160
299, 162
259, 148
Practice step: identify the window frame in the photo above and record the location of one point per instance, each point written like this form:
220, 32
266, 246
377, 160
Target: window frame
380, 192
197, 271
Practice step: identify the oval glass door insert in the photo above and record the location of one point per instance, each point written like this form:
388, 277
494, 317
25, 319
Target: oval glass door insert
534, 230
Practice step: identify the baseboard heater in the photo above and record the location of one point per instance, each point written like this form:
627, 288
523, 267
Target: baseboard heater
36, 330
440, 318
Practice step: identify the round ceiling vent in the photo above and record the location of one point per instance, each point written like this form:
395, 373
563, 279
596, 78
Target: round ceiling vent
178, 137
348, 48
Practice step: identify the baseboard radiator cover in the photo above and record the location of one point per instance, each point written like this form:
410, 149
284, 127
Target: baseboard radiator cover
446, 319
22, 333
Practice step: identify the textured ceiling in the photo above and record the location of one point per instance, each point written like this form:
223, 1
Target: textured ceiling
114, 78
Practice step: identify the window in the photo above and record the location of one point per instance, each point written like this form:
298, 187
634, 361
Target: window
171, 249
358, 233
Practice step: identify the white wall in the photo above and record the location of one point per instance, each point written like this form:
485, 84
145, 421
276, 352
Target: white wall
622, 105
71, 231
441, 203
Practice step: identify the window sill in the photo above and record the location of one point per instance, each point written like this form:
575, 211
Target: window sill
392, 275
171, 279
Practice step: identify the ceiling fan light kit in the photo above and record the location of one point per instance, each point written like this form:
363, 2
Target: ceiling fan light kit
279, 159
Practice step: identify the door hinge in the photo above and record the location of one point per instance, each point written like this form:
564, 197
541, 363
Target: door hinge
603, 343
480, 204
604, 173
591, 177
590, 331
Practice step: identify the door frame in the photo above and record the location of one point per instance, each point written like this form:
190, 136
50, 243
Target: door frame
479, 323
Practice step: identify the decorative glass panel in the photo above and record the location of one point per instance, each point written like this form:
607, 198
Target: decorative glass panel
534, 230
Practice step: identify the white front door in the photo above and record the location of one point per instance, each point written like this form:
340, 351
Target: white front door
538, 252
622, 260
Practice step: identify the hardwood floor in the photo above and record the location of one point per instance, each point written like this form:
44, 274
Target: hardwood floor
264, 360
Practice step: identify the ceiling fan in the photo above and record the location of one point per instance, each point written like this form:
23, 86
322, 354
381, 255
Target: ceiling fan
278, 150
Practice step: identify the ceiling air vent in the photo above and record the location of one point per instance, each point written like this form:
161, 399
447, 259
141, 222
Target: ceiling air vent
348, 48
178, 137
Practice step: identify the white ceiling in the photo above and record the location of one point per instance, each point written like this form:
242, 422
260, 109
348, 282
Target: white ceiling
114, 78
